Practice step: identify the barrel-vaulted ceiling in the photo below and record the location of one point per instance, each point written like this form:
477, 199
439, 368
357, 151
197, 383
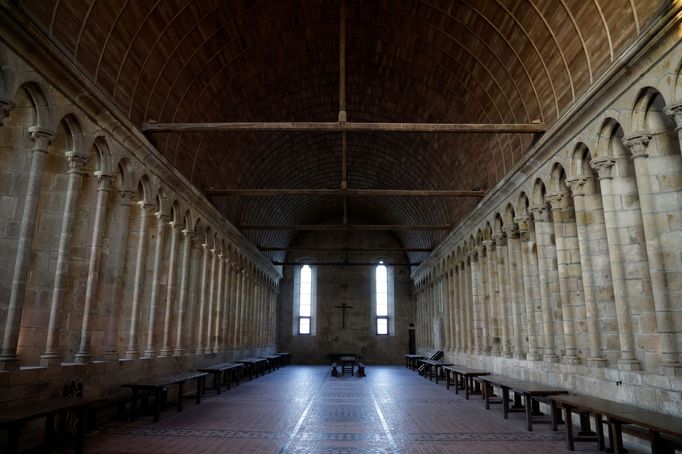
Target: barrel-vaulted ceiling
439, 61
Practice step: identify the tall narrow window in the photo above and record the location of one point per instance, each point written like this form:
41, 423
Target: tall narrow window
305, 300
382, 299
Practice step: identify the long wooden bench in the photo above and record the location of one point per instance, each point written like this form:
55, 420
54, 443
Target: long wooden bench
532, 393
254, 366
411, 361
285, 358
335, 370
13, 419
159, 385
361, 370
274, 361
224, 373
462, 377
430, 366
664, 432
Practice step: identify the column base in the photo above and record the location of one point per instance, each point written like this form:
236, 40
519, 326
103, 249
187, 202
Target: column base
82, 358
533, 357
111, 355
671, 369
164, 353
571, 360
9, 362
629, 364
208, 350
131, 354
550, 358
597, 362
149, 354
179, 352
50, 359
199, 351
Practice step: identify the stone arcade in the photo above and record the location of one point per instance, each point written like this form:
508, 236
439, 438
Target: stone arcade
501, 181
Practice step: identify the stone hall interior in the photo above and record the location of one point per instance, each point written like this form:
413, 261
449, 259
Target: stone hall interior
348, 214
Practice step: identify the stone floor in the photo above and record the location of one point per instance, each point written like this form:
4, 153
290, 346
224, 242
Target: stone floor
302, 409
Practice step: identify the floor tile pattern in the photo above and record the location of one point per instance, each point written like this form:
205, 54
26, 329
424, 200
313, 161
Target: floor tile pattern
303, 409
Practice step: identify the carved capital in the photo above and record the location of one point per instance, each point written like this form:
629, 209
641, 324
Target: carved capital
188, 234
41, 138
674, 110
637, 143
540, 213
603, 167
6, 107
127, 197
104, 181
523, 223
500, 238
511, 230
480, 250
577, 185
77, 162
162, 219
489, 245
556, 200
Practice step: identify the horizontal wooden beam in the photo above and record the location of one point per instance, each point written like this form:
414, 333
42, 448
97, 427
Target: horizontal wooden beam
342, 249
336, 126
347, 264
341, 227
343, 193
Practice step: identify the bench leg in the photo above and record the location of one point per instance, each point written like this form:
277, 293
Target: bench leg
505, 402
200, 386
133, 405
181, 392
157, 403
600, 432
569, 429
80, 430
486, 394
529, 412
467, 386
217, 379
617, 432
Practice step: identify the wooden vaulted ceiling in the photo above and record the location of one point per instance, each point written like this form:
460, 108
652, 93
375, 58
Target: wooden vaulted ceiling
440, 61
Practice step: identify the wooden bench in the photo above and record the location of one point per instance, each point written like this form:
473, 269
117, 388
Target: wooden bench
158, 386
532, 393
285, 358
411, 361
273, 361
13, 419
224, 373
335, 370
462, 377
361, 370
254, 366
348, 364
430, 365
664, 432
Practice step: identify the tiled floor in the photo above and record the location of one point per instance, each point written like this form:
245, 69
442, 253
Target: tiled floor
302, 409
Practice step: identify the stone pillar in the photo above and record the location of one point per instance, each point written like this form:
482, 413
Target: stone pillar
462, 294
77, 163
674, 110
236, 303
447, 345
494, 331
530, 285
516, 287
170, 290
161, 222
203, 290
132, 351
484, 300
183, 292
627, 360
8, 356
454, 298
577, 186
560, 216
547, 272
503, 292
211, 300
115, 276
84, 354
637, 144
218, 302
475, 319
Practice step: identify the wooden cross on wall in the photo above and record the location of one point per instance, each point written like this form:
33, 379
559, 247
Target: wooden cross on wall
343, 308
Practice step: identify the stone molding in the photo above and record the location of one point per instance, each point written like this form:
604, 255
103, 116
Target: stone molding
603, 167
637, 143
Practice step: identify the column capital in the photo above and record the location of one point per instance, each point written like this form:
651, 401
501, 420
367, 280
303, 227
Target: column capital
488, 245
674, 110
603, 166
556, 200
127, 197
480, 250
41, 137
162, 219
104, 181
540, 213
637, 143
511, 230
188, 234
6, 106
500, 238
77, 162
577, 185
473, 254
523, 223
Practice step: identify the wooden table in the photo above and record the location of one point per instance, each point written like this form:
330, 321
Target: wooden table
13, 419
286, 358
274, 360
431, 365
411, 361
348, 364
160, 384
463, 378
531, 393
254, 365
616, 415
224, 373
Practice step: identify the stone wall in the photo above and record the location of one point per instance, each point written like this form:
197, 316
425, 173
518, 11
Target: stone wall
350, 285
114, 266
570, 271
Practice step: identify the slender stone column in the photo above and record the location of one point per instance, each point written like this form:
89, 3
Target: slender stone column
493, 292
503, 292
218, 303
243, 303
484, 299
546, 269
461, 287
227, 304
577, 186
183, 292
8, 356
475, 315
236, 305
637, 144
530, 285
627, 359
170, 290
77, 163
446, 311
559, 215
674, 110
84, 354
161, 222
211, 301
132, 352
452, 316
115, 275
516, 284
203, 290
